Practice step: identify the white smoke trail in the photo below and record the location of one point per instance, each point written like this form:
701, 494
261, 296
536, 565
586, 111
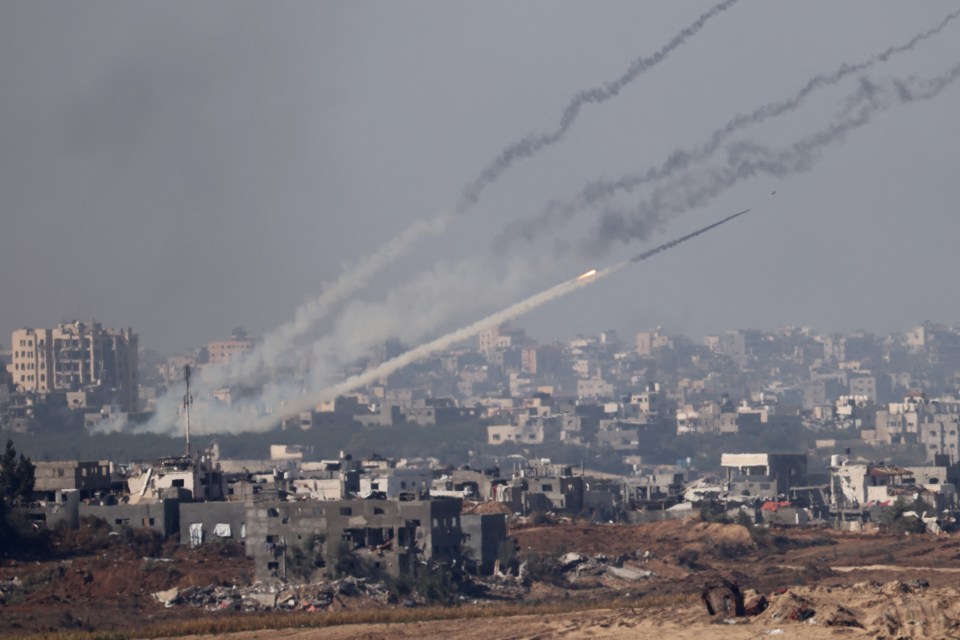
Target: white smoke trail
439, 295
270, 355
745, 160
273, 352
494, 320
444, 342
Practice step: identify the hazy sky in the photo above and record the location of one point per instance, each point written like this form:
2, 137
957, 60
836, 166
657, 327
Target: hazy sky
183, 168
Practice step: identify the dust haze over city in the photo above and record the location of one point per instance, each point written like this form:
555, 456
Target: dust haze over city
351, 216
184, 169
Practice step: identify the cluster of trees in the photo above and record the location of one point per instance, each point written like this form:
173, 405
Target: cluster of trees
17, 478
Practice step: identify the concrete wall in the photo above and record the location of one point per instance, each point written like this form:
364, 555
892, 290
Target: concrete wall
483, 535
209, 515
163, 516
376, 536
87, 477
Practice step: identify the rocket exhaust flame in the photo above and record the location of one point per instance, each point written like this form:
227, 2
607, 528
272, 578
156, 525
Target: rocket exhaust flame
493, 320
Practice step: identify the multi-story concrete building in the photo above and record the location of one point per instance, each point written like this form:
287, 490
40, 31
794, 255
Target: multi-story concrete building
765, 475
77, 356
385, 537
31, 360
86, 477
225, 351
931, 424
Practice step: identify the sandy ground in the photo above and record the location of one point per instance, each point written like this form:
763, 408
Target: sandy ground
864, 585
864, 610
595, 624
592, 624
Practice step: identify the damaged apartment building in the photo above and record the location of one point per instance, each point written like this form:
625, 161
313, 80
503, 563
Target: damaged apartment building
80, 367
291, 535
541, 487
305, 539
857, 485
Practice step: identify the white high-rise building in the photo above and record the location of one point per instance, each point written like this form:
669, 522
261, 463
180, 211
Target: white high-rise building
76, 357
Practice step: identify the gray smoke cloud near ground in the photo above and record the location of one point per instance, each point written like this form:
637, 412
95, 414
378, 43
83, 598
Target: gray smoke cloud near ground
746, 160
505, 315
274, 352
558, 212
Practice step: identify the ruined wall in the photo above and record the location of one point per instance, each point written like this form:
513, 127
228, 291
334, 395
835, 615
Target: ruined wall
214, 521
482, 536
163, 516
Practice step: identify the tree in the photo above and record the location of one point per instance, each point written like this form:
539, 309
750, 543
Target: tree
16, 488
894, 520
17, 477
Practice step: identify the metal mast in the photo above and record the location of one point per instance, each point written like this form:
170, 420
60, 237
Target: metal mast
187, 401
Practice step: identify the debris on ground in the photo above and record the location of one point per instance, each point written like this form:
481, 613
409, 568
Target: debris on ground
258, 597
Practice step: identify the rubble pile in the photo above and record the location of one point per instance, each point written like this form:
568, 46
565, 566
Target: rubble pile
575, 565
791, 606
260, 597
9, 586
888, 608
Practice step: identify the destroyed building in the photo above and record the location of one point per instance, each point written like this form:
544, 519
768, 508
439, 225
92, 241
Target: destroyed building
85, 477
196, 477
763, 475
77, 357
542, 487
380, 537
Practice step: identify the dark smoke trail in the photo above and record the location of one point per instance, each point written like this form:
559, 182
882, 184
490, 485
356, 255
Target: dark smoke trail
601, 190
276, 345
670, 245
746, 160
532, 144
446, 341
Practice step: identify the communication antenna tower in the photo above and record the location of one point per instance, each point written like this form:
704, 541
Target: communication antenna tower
187, 401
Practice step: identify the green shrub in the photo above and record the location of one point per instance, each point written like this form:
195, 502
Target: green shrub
893, 519
304, 559
436, 584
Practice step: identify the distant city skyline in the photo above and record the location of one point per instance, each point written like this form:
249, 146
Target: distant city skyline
627, 334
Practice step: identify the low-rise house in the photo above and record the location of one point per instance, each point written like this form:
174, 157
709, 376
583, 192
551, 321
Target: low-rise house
542, 487
392, 483
763, 475
87, 477
198, 476
856, 484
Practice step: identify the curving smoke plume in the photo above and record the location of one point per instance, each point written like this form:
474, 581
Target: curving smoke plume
275, 351
440, 300
599, 191
532, 144
746, 160
513, 311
